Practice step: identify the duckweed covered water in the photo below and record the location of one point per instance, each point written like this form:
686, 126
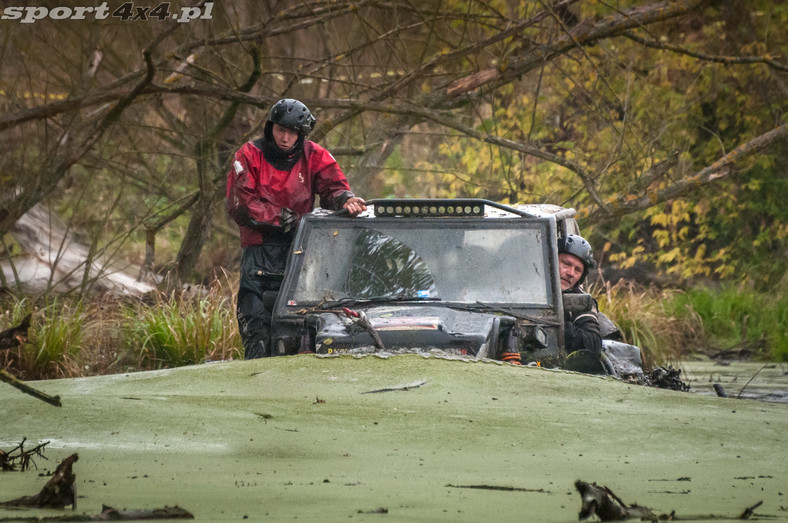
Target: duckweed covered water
305, 438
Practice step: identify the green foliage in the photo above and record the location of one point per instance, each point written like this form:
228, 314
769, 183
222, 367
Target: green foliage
733, 228
669, 324
182, 329
618, 108
71, 337
56, 338
738, 318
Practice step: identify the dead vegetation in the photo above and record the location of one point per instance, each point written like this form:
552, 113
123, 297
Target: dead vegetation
603, 503
20, 459
15, 336
60, 492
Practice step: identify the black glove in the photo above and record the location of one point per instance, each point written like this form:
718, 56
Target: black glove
289, 219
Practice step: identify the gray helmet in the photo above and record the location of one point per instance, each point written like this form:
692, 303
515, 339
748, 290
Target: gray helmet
579, 247
292, 114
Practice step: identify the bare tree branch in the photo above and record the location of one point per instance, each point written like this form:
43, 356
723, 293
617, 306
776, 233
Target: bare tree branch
316, 15
627, 204
656, 44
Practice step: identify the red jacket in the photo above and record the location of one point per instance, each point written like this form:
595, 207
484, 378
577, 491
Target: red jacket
257, 192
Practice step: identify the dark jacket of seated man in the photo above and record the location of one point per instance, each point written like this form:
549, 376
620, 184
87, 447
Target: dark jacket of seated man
581, 330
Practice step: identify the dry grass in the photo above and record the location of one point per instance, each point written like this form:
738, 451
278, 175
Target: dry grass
641, 315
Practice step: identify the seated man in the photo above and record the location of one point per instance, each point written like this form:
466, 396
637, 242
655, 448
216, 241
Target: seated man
581, 331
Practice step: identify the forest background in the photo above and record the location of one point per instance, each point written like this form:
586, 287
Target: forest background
664, 123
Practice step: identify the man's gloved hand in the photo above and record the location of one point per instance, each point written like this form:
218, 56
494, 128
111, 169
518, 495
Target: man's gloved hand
289, 219
354, 205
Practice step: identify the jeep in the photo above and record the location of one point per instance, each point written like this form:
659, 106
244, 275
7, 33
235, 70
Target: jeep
463, 277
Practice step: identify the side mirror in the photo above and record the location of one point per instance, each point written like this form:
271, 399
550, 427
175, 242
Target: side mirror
577, 303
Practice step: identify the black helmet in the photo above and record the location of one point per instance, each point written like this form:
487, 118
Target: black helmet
292, 114
578, 246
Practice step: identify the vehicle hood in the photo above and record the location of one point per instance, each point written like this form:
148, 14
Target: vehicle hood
406, 329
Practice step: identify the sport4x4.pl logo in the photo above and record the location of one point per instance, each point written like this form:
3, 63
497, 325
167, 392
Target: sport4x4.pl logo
126, 11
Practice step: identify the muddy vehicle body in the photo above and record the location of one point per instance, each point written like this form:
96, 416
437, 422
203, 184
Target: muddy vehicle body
464, 277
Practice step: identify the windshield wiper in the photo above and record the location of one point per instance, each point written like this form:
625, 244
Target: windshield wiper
351, 302
481, 306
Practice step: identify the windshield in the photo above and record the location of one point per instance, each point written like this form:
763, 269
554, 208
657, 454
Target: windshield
490, 261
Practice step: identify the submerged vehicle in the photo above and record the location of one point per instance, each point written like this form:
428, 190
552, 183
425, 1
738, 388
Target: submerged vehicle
464, 277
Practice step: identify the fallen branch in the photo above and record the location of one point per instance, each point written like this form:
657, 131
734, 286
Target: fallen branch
379, 510
601, 502
361, 319
750, 381
113, 514
27, 389
669, 378
749, 511
57, 493
396, 389
60, 492
743, 350
24, 457
498, 487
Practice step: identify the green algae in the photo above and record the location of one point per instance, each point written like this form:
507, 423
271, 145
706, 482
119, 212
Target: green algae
305, 438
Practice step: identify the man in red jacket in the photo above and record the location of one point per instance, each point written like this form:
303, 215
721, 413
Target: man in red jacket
272, 183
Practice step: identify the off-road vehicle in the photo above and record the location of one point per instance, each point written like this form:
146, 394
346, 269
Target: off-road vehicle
462, 277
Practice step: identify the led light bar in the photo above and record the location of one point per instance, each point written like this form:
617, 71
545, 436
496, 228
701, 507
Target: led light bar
412, 208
